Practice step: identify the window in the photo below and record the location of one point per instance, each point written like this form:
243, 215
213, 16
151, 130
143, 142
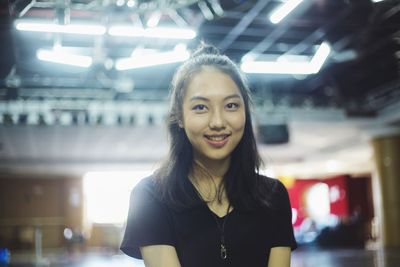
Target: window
107, 194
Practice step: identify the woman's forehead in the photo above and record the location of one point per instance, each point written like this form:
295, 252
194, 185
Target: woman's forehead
211, 81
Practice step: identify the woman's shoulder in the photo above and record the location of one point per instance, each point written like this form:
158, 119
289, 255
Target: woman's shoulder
146, 188
275, 190
271, 185
146, 183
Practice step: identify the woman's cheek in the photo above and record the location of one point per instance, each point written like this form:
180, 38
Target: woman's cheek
196, 122
238, 122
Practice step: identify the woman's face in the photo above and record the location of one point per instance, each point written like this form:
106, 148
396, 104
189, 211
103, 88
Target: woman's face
213, 115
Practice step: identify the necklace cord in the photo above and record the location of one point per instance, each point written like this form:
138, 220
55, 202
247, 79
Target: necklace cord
223, 251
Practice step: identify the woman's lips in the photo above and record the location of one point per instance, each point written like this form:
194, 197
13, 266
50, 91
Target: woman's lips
217, 140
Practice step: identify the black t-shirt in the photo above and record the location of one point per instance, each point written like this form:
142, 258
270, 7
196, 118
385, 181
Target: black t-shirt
194, 232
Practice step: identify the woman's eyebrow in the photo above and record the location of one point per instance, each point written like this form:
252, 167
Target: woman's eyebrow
232, 96
194, 98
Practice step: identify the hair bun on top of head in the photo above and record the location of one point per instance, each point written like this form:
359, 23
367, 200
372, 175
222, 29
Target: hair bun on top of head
205, 49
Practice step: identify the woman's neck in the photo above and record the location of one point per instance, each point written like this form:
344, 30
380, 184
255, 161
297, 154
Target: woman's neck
214, 168
207, 177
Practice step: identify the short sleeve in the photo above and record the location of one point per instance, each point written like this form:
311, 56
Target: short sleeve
283, 230
148, 221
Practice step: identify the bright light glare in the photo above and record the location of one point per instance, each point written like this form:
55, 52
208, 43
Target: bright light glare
318, 203
127, 31
268, 172
285, 67
276, 67
320, 56
156, 32
172, 33
147, 60
64, 58
283, 10
107, 194
154, 19
57, 28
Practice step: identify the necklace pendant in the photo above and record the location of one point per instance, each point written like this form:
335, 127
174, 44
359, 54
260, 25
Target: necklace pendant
223, 252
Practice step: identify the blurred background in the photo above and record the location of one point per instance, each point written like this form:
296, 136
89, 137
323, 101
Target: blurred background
84, 93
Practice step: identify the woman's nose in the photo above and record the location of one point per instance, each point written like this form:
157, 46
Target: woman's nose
217, 120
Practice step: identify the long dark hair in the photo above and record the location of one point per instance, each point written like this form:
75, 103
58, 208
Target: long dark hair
243, 184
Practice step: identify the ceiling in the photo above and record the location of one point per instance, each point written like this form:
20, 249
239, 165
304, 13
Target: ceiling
64, 118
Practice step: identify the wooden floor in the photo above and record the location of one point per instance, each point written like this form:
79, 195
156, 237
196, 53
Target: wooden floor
302, 257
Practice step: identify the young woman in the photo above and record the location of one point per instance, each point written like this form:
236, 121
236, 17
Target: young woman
207, 205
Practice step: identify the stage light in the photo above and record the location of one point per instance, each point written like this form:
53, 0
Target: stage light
320, 57
216, 7
276, 67
152, 59
282, 67
169, 33
205, 10
57, 28
61, 57
156, 32
154, 19
283, 10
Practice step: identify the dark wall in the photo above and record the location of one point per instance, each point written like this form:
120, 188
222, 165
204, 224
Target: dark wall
29, 203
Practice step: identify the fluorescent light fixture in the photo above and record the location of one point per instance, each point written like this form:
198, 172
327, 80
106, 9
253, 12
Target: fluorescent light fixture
276, 67
128, 31
64, 58
154, 19
156, 32
216, 6
320, 56
171, 33
283, 67
283, 10
153, 59
57, 28
205, 10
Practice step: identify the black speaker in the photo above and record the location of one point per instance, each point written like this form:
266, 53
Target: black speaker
273, 134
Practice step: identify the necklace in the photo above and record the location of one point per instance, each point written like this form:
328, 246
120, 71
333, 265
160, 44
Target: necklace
221, 228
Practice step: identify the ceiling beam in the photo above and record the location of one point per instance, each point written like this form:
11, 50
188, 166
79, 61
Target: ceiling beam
242, 25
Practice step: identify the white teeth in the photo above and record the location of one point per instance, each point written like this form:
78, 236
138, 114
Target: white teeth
217, 138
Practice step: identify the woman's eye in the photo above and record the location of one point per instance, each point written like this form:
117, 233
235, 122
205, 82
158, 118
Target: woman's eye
232, 105
199, 107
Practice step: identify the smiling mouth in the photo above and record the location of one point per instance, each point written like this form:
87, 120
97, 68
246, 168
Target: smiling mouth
217, 141
217, 138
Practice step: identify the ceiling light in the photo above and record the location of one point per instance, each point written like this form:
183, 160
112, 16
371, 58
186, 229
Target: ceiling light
128, 31
320, 56
64, 58
131, 3
171, 33
216, 6
205, 10
288, 67
120, 2
274, 67
283, 10
156, 32
153, 59
154, 19
57, 28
